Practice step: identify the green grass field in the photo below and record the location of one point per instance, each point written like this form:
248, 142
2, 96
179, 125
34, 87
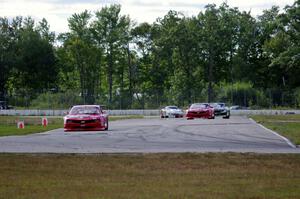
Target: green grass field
218, 176
286, 125
6, 130
33, 124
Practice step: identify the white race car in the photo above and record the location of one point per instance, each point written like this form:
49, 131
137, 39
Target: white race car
171, 112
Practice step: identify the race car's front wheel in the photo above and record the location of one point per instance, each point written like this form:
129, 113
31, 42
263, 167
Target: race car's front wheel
227, 116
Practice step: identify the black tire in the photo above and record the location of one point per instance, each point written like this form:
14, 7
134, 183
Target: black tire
106, 125
212, 117
162, 115
227, 116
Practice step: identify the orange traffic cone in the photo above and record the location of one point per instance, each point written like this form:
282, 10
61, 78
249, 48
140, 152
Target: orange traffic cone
44, 122
21, 125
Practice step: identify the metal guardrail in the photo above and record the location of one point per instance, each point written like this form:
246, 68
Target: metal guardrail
264, 112
152, 112
63, 112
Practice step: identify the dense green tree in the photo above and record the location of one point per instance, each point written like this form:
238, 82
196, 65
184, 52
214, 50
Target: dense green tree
211, 44
114, 29
34, 69
142, 38
81, 51
162, 68
186, 60
106, 58
283, 48
6, 55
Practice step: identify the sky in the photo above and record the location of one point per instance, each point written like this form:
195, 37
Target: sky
57, 12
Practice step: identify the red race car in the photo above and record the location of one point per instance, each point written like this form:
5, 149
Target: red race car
86, 117
200, 110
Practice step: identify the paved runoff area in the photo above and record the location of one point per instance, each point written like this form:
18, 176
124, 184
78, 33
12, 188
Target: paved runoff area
155, 135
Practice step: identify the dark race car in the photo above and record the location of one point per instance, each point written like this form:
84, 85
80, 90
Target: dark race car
200, 110
86, 117
221, 110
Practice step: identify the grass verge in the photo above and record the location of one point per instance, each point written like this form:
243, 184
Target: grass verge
150, 176
6, 130
33, 124
286, 125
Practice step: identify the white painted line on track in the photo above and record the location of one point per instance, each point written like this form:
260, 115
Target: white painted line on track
275, 133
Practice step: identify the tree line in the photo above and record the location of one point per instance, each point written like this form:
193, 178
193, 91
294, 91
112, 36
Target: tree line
106, 58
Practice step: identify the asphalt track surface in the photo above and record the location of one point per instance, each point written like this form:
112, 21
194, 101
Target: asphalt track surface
237, 134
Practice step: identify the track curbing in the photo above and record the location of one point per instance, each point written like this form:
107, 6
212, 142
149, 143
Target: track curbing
275, 133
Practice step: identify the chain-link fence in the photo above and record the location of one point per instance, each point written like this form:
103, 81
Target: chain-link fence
250, 98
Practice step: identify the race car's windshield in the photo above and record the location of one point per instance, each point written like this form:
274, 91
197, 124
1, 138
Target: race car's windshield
90, 110
193, 106
218, 105
172, 107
